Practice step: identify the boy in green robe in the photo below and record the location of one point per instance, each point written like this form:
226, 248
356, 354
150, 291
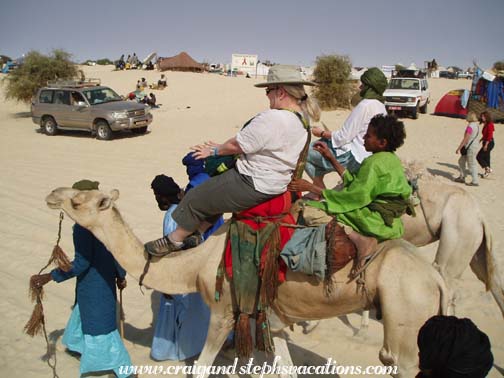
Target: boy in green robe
373, 199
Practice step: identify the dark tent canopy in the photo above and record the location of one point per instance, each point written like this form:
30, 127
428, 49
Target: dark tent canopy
180, 62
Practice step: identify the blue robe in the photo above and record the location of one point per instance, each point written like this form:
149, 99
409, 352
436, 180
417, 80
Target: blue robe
92, 328
182, 322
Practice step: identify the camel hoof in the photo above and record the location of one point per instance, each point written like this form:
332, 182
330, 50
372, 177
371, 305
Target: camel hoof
309, 325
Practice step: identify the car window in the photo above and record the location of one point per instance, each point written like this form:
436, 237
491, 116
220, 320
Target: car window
46, 97
101, 95
77, 98
62, 97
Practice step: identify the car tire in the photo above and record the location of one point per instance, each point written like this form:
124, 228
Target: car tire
415, 112
139, 130
49, 126
103, 131
423, 109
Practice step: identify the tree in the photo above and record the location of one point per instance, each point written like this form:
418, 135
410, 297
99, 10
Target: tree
335, 88
104, 62
37, 69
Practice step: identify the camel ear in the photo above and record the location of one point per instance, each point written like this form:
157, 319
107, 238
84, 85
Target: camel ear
114, 194
105, 203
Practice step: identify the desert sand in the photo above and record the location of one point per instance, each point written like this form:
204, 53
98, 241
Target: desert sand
195, 108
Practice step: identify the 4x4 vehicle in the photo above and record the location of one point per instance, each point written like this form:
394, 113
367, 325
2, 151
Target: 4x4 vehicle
464, 75
407, 93
87, 106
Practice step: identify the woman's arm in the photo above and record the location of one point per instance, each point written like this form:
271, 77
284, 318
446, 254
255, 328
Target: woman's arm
465, 139
229, 147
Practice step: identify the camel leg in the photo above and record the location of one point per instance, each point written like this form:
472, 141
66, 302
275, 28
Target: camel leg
455, 252
486, 271
218, 330
405, 311
363, 330
282, 354
282, 351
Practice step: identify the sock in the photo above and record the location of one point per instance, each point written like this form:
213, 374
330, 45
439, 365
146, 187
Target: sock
175, 243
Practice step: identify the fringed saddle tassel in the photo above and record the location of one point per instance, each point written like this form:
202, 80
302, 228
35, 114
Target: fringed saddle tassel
60, 258
269, 282
263, 335
243, 337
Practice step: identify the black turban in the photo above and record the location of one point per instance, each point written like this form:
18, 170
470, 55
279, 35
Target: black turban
454, 348
165, 186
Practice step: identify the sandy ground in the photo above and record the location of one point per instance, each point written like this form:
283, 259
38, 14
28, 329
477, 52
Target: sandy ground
195, 108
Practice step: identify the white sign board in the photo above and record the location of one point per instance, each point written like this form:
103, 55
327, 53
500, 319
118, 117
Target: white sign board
244, 62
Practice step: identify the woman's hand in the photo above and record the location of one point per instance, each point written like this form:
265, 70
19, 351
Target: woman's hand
39, 280
317, 131
301, 185
202, 151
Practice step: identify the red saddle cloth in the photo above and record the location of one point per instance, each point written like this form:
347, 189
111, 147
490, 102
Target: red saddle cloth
274, 207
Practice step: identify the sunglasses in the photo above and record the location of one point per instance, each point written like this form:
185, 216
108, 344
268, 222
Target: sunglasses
268, 90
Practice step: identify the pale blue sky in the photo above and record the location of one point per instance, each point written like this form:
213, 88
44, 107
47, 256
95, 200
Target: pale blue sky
370, 32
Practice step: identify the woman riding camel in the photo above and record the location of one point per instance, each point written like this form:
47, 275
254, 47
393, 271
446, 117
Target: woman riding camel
268, 147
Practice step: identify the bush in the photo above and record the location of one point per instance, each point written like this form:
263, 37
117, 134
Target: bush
335, 88
37, 69
104, 62
499, 66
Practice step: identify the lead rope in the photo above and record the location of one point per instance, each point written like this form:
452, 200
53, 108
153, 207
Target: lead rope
37, 319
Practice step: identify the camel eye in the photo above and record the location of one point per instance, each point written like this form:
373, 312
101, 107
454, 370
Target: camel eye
75, 205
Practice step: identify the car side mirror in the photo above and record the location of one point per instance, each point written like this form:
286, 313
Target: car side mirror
81, 104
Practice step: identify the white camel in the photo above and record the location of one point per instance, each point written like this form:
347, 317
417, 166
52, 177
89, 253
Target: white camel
402, 286
452, 216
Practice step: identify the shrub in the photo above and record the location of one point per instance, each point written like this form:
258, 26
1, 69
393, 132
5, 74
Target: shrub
499, 66
332, 74
104, 62
37, 69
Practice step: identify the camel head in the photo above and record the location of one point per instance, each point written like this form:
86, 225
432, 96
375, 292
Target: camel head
85, 207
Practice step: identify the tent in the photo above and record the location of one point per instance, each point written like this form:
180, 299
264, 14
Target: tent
450, 104
180, 62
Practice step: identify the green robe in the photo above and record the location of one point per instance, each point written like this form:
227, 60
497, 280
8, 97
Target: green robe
381, 175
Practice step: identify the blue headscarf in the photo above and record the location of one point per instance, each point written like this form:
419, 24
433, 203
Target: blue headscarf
195, 171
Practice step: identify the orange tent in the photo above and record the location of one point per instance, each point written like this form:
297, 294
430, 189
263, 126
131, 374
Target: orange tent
180, 62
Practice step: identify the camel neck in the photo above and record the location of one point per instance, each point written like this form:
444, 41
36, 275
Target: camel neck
168, 274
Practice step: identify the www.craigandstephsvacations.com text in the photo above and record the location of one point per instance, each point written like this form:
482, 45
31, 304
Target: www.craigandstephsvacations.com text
330, 368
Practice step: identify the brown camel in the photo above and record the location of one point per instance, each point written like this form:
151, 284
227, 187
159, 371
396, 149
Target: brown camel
402, 286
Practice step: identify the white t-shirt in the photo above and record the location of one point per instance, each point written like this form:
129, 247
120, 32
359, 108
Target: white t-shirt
271, 144
351, 135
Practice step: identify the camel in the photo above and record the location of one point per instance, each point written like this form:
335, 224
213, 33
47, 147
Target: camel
452, 216
402, 286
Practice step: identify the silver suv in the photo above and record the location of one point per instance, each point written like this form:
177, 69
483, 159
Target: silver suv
87, 106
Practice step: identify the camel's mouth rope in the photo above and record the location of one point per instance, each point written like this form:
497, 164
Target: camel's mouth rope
36, 324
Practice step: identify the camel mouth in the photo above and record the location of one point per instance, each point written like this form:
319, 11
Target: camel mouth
53, 202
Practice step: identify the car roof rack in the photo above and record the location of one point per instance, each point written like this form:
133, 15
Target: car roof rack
409, 73
74, 83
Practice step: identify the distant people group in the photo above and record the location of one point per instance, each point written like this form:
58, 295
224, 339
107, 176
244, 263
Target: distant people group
131, 63
470, 155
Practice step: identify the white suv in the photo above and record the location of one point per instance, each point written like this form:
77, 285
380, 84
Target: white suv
407, 95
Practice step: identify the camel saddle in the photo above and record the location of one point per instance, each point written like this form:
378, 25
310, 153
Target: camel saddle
340, 249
